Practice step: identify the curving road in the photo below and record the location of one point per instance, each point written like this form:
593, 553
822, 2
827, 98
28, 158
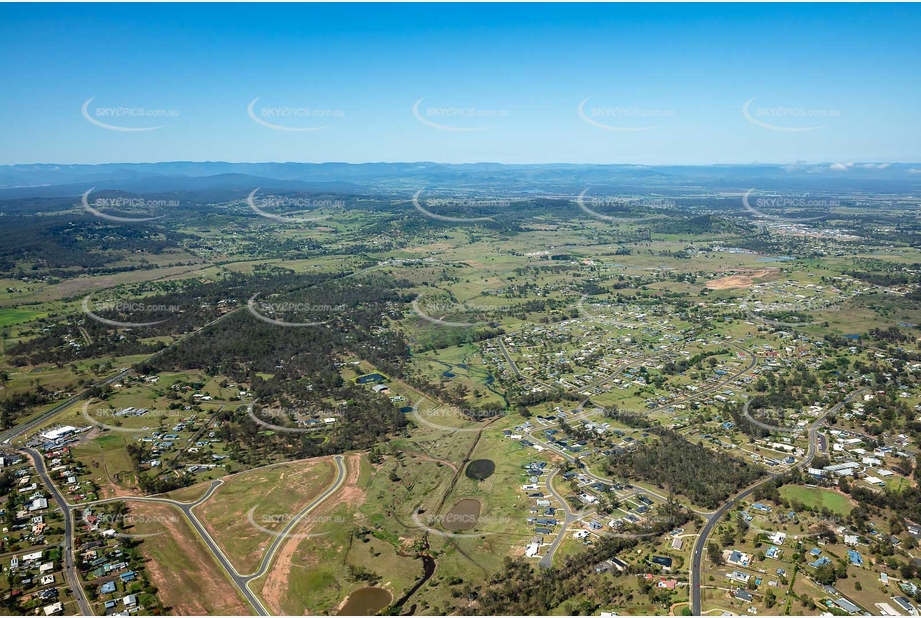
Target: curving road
241, 581
70, 568
547, 560
697, 554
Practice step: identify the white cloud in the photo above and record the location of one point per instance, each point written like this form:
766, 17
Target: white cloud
840, 167
875, 166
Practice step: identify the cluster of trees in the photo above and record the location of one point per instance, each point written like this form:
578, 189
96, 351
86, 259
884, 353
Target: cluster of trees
57, 244
519, 589
630, 419
14, 405
676, 367
706, 477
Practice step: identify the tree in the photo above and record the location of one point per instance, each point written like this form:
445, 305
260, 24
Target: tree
715, 553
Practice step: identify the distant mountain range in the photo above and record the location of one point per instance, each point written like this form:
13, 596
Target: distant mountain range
49, 180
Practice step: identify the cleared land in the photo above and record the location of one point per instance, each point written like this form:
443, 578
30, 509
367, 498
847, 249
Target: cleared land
188, 580
269, 496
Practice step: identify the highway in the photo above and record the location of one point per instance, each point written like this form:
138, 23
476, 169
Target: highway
13, 433
697, 554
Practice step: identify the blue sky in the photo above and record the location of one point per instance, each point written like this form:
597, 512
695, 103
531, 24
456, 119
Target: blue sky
667, 82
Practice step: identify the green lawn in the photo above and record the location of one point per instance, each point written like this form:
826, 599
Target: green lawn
815, 497
8, 316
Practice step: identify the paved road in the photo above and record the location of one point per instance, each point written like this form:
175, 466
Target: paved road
586, 414
241, 581
697, 555
70, 568
13, 433
6, 438
569, 518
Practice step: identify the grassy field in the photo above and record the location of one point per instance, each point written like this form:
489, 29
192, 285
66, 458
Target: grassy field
188, 578
10, 316
272, 494
312, 574
815, 497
